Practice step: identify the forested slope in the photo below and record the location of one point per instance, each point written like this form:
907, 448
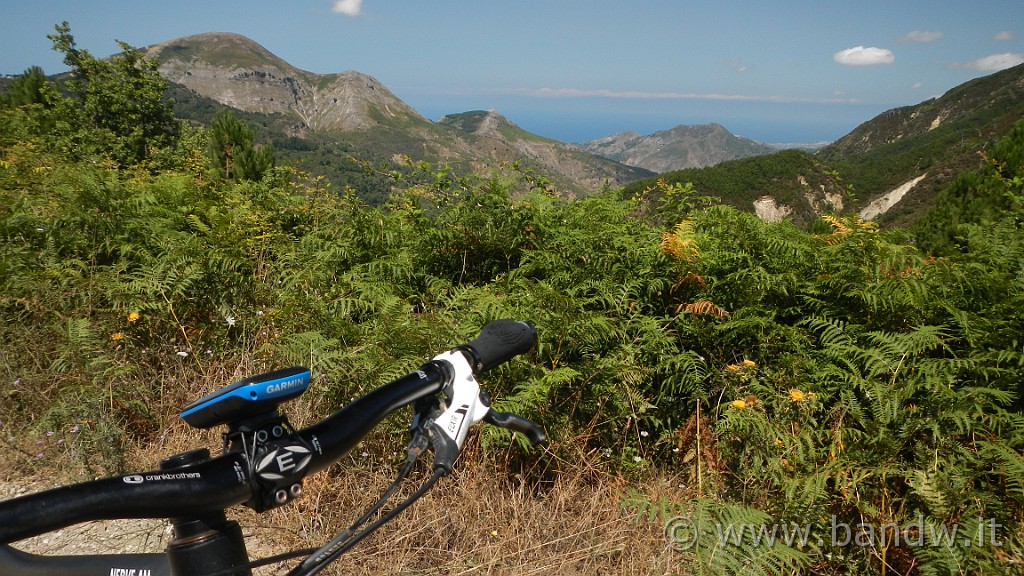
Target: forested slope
829, 380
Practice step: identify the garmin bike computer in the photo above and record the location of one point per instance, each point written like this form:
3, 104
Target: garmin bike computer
247, 398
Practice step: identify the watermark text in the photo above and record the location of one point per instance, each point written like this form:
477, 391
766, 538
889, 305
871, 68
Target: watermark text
683, 533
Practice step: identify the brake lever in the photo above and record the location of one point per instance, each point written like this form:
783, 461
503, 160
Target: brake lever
516, 423
463, 409
466, 405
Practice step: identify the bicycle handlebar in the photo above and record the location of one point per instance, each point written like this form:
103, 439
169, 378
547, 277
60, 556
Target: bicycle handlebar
195, 484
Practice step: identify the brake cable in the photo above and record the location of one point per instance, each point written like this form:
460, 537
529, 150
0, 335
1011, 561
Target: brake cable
316, 562
319, 558
348, 538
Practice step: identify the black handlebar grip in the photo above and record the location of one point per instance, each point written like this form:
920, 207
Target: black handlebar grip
499, 342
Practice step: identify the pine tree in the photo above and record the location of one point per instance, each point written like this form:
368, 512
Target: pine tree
232, 151
32, 87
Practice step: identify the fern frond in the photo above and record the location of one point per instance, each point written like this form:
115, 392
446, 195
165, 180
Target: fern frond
734, 539
703, 308
681, 243
1009, 463
927, 486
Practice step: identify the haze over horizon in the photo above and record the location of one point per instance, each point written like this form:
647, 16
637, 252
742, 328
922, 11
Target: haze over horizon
576, 71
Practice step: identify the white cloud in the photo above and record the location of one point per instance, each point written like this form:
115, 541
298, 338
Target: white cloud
640, 95
861, 56
917, 86
1005, 35
739, 66
921, 36
993, 63
348, 7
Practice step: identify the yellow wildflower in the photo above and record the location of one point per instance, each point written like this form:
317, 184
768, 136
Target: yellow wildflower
733, 367
116, 336
739, 404
796, 395
749, 363
132, 317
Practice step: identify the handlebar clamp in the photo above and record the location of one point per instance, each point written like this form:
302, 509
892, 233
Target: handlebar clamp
278, 460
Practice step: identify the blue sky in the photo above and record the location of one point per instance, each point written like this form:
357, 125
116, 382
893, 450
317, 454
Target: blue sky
576, 70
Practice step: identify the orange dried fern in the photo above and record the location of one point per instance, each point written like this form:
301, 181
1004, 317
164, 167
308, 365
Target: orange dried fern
681, 243
703, 308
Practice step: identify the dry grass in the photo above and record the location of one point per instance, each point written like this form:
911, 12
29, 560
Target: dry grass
566, 519
480, 520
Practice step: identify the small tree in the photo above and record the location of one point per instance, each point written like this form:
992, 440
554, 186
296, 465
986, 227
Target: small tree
117, 106
232, 151
32, 87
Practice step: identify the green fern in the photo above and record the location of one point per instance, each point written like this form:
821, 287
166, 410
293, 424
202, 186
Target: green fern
713, 537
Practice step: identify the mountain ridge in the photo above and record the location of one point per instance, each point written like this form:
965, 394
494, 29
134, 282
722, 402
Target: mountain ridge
896, 162
239, 72
352, 108
913, 152
683, 146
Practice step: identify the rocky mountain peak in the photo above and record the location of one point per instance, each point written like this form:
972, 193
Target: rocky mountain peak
678, 148
238, 72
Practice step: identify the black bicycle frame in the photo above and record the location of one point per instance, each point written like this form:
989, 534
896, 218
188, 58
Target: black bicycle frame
17, 563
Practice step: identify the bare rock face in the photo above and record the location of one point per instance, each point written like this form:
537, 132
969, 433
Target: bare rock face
235, 71
238, 72
504, 141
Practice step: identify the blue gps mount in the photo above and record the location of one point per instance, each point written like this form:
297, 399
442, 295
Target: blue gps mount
248, 398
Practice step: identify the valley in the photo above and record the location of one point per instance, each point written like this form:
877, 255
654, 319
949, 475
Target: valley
332, 125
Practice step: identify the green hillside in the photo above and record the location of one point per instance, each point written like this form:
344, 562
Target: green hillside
792, 177
942, 138
718, 371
